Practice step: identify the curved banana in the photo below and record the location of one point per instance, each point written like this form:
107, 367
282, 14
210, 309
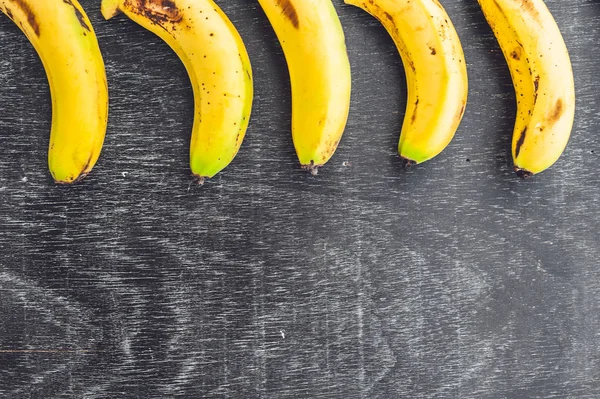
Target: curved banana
65, 41
436, 74
219, 68
313, 42
543, 79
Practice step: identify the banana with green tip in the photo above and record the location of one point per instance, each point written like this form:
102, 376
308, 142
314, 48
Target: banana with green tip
436, 74
219, 68
542, 75
313, 42
64, 39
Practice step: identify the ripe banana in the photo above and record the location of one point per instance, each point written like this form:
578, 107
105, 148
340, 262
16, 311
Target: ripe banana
64, 39
219, 68
543, 79
436, 74
312, 39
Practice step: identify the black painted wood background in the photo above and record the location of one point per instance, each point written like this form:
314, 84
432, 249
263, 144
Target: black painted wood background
453, 279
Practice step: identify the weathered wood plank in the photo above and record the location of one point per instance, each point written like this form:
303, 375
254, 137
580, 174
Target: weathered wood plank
453, 279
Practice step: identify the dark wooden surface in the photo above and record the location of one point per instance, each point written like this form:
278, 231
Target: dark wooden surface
453, 279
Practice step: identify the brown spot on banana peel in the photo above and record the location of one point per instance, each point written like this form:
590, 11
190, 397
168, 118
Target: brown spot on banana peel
433, 52
31, 19
536, 86
289, 11
388, 16
79, 15
414, 114
461, 112
157, 11
517, 52
556, 112
520, 142
411, 64
529, 7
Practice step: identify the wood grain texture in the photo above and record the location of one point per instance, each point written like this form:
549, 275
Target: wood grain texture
453, 279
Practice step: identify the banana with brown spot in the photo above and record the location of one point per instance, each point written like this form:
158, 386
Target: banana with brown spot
436, 73
219, 68
542, 76
64, 39
313, 42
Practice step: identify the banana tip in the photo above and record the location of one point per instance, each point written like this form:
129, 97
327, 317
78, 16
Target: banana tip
198, 179
407, 163
68, 181
522, 173
312, 168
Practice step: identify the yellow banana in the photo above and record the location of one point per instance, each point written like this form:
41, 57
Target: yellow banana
436, 74
312, 39
219, 68
543, 79
65, 41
